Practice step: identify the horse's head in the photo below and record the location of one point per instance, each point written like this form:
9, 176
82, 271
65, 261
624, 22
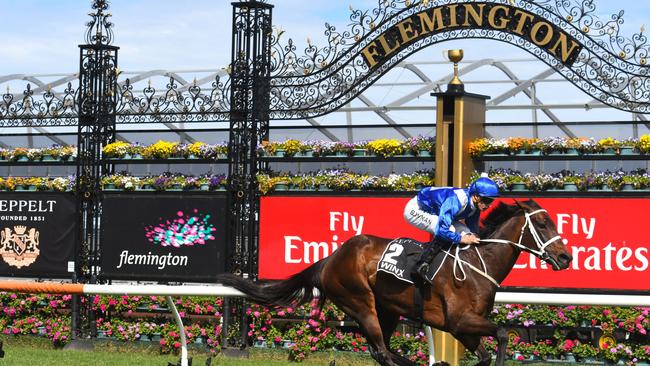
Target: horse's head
540, 237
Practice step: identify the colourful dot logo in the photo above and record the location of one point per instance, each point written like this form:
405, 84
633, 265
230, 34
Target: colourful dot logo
182, 231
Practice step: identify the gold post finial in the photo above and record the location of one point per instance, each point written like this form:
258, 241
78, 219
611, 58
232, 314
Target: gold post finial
455, 56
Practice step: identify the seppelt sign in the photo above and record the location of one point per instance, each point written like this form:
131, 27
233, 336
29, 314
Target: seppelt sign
610, 252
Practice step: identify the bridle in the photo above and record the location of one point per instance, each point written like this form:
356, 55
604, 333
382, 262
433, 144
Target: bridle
541, 246
540, 253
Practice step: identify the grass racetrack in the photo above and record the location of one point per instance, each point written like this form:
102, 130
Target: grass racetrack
34, 351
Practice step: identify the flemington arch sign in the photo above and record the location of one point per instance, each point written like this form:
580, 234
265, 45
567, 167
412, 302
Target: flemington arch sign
475, 15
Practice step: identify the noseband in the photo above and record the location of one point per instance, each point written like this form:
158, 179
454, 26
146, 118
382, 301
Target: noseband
541, 246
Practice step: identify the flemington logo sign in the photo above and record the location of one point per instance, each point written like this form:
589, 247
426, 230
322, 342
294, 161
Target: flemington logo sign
37, 234
474, 15
163, 237
608, 253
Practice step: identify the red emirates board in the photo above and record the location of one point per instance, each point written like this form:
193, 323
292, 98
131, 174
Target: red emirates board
605, 236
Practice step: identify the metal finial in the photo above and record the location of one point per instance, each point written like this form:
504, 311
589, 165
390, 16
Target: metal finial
99, 30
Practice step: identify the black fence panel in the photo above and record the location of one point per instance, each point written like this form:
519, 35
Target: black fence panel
163, 237
38, 234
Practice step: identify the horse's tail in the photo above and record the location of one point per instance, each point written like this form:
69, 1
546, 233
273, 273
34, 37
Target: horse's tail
296, 290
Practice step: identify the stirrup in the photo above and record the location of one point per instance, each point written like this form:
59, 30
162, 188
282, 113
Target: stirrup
422, 270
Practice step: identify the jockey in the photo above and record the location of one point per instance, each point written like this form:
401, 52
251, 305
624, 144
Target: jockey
437, 210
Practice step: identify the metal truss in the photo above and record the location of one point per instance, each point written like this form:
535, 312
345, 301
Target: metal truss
377, 106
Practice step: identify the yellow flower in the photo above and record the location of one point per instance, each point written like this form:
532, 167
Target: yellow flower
116, 149
644, 144
291, 147
386, 147
195, 148
609, 143
159, 150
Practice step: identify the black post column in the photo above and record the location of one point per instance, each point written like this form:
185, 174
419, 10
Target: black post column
249, 125
97, 100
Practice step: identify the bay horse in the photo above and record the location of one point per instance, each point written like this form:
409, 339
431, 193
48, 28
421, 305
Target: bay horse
349, 279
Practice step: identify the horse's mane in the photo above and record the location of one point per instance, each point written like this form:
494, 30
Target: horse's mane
497, 216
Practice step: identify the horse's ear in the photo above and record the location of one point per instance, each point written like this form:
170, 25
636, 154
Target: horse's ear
531, 203
522, 205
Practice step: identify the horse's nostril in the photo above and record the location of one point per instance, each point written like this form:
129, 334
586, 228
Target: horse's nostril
566, 258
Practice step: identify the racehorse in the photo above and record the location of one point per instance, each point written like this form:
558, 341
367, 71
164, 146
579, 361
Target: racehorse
376, 300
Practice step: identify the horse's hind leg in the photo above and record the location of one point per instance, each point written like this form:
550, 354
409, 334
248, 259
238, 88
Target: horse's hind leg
388, 322
358, 301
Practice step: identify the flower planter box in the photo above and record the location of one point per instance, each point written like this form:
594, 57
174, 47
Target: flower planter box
424, 153
627, 150
494, 155
570, 187
518, 187
280, 187
359, 152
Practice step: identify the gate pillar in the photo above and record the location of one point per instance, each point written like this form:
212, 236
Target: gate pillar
249, 126
460, 118
97, 101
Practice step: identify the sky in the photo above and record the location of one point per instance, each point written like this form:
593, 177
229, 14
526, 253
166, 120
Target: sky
42, 36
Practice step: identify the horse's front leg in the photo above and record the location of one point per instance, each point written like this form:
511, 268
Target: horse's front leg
476, 325
473, 344
502, 344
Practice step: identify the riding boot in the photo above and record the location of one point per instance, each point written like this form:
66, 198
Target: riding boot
429, 253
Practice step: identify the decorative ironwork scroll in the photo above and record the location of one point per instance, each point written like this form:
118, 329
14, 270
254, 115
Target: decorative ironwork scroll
173, 105
602, 62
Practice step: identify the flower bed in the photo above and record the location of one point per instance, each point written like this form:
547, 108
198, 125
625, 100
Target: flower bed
512, 180
303, 330
163, 182
59, 184
165, 150
343, 180
54, 153
416, 146
558, 145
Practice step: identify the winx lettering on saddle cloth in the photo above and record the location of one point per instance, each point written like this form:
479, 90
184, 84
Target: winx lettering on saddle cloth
400, 258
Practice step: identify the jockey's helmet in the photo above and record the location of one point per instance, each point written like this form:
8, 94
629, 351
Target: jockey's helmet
484, 187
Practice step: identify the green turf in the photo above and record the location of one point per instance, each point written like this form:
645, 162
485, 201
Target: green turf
32, 351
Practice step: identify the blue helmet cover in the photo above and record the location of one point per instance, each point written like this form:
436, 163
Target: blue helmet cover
484, 187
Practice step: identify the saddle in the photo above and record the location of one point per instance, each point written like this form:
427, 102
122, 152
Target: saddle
401, 255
